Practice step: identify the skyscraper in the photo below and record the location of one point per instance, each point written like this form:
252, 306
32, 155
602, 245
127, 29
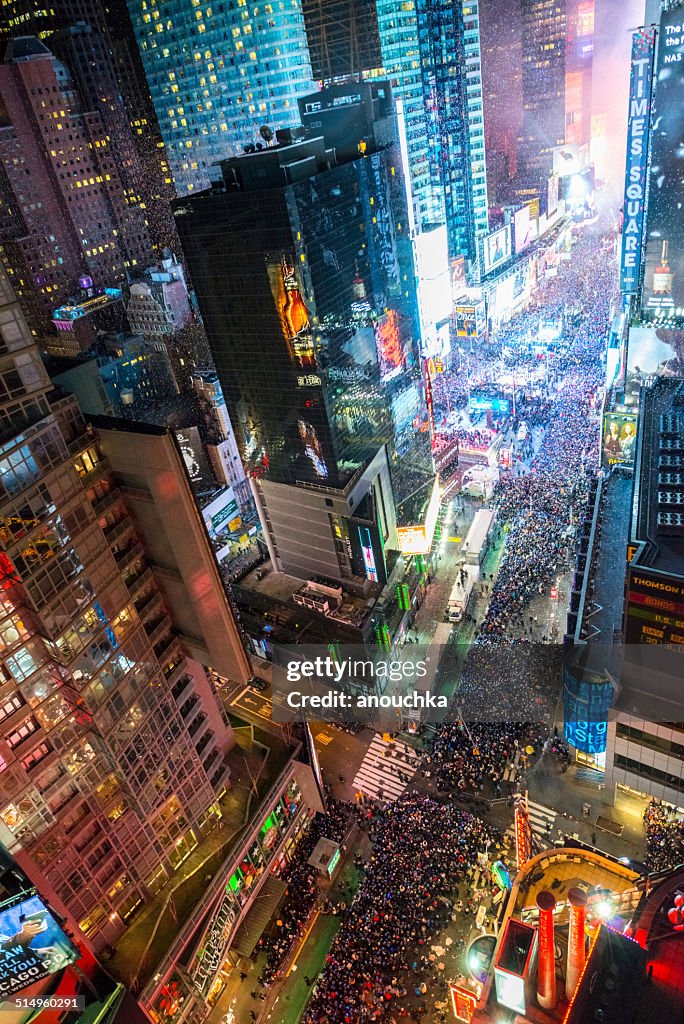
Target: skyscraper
68, 204
112, 747
97, 43
449, 41
431, 54
304, 275
217, 73
501, 40
544, 24
343, 37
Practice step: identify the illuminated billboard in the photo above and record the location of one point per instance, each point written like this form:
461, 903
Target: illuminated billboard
522, 229
567, 160
195, 459
389, 346
497, 248
655, 609
32, 946
470, 320
643, 49
458, 277
222, 513
587, 699
417, 540
663, 287
619, 437
552, 196
654, 352
489, 403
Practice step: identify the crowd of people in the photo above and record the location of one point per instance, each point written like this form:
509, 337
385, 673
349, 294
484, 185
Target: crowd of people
507, 684
664, 829
302, 886
501, 711
381, 954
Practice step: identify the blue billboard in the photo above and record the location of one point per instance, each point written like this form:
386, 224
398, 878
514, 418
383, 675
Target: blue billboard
587, 699
489, 403
32, 946
643, 49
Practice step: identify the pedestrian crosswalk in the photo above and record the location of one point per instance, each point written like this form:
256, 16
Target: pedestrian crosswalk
541, 823
386, 769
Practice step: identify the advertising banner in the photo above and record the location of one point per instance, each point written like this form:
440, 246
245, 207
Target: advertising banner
619, 437
195, 459
497, 248
389, 346
553, 194
458, 277
32, 946
643, 50
567, 160
654, 352
663, 289
522, 229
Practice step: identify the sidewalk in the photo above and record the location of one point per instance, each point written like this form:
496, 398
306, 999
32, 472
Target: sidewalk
286, 998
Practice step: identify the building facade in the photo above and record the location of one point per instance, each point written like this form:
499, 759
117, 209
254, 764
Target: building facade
343, 37
158, 303
449, 40
64, 205
431, 55
113, 749
217, 73
222, 446
97, 43
544, 26
645, 752
304, 274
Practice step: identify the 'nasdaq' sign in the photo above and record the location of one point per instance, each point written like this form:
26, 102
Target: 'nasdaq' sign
643, 49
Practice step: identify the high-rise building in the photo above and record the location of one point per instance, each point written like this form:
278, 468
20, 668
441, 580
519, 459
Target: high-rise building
112, 746
343, 37
579, 63
217, 74
222, 446
97, 43
449, 42
66, 209
501, 42
303, 269
431, 55
544, 25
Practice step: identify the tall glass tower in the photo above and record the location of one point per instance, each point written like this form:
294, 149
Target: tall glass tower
431, 53
217, 72
303, 269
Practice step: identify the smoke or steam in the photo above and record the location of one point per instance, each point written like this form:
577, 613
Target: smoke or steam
615, 21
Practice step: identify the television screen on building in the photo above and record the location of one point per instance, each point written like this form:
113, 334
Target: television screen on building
619, 437
522, 229
497, 248
32, 946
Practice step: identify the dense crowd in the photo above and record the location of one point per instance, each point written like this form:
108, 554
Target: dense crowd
507, 684
664, 836
422, 851
501, 711
302, 887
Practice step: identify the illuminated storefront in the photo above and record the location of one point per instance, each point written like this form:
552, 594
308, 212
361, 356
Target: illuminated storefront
175, 995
